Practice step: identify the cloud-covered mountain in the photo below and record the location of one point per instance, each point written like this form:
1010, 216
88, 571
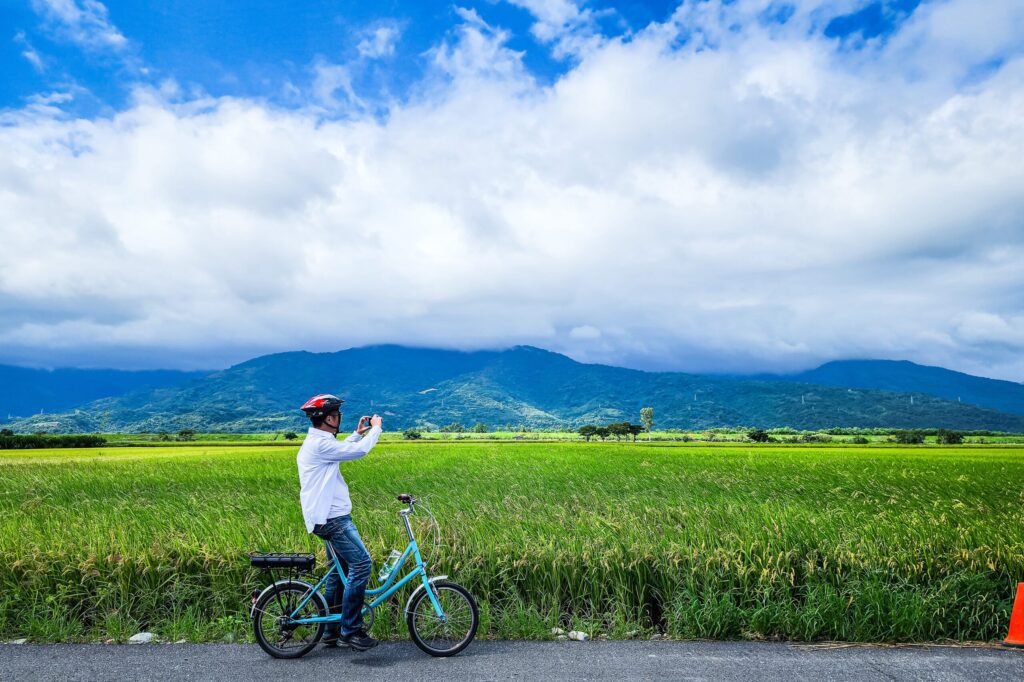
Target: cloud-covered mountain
903, 376
25, 391
520, 386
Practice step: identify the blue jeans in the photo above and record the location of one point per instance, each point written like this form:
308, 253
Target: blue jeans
341, 534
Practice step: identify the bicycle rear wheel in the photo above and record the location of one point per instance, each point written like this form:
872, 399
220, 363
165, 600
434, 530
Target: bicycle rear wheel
271, 621
447, 637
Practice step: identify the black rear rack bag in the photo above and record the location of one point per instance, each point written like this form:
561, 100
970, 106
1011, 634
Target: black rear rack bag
301, 563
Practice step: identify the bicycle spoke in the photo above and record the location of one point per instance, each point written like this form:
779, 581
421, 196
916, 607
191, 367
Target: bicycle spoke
273, 620
448, 633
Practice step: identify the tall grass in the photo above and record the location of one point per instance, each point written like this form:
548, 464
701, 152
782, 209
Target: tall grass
855, 544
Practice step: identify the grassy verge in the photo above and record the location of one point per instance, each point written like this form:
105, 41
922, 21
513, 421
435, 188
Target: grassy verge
744, 541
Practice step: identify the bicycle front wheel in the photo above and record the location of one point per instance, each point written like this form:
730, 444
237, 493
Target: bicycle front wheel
451, 635
272, 625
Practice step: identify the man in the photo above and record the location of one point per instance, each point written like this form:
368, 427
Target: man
327, 509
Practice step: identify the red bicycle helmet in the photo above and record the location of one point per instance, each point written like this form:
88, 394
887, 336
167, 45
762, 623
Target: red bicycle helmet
321, 405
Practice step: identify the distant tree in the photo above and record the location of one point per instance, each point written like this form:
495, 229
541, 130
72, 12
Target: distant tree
816, 438
6, 432
163, 435
186, 434
758, 435
454, 427
647, 419
602, 432
588, 432
291, 435
634, 430
944, 437
859, 440
479, 427
618, 429
412, 434
909, 437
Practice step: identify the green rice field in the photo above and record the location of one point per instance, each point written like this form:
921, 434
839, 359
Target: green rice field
732, 541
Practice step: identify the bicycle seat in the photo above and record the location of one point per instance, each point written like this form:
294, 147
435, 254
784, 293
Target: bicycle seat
405, 498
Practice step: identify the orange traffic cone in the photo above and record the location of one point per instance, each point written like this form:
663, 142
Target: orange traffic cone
1016, 634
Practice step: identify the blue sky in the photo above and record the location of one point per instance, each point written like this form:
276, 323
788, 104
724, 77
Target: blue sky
261, 48
254, 49
723, 185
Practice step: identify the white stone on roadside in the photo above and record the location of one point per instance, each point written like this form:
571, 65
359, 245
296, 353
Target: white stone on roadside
561, 638
632, 634
557, 631
578, 636
181, 641
602, 636
655, 636
18, 641
142, 638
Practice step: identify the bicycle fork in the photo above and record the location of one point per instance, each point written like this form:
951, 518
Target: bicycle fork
423, 568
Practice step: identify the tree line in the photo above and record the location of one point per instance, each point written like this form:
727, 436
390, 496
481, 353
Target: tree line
618, 430
903, 437
11, 441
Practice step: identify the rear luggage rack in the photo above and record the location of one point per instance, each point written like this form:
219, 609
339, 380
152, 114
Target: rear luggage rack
281, 560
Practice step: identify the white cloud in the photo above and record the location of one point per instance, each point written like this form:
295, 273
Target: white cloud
478, 51
379, 41
570, 30
33, 57
585, 332
29, 52
754, 199
328, 80
83, 22
988, 328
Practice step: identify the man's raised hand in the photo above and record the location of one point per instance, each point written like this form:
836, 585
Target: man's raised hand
364, 426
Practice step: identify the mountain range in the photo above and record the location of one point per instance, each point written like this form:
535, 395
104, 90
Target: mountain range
903, 376
25, 391
535, 388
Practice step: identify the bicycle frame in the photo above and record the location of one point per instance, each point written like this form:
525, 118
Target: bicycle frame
380, 593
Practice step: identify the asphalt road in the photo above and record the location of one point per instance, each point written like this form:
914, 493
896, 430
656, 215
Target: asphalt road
512, 661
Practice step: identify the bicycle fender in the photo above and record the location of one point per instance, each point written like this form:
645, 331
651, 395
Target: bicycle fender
419, 588
285, 581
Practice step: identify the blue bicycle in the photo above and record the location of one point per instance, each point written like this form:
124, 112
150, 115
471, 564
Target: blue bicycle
290, 615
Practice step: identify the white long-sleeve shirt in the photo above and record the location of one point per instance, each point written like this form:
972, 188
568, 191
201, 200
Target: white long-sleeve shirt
323, 492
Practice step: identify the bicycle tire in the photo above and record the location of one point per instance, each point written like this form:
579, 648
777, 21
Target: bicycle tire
457, 603
282, 599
